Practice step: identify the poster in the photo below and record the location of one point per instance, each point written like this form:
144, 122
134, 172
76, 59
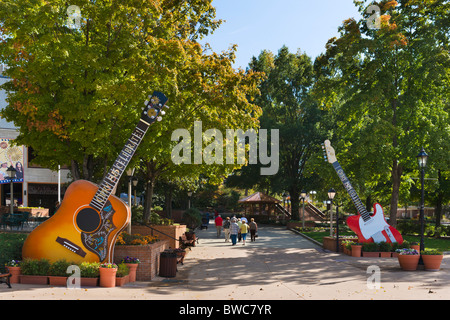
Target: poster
11, 155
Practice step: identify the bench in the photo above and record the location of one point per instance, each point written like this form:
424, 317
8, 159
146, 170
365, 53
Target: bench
6, 278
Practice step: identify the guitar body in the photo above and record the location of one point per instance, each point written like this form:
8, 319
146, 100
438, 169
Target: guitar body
77, 232
374, 228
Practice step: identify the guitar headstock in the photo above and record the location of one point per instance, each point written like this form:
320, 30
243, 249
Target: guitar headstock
329, 153
153, 107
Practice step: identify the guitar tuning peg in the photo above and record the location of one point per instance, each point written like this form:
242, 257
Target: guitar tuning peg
158, 119
163, 113
146, 102
167, 107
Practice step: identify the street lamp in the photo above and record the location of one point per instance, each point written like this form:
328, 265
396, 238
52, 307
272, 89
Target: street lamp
303, 197
189, 200
331, 195
130, 172
135, 182
422, 158
11, 174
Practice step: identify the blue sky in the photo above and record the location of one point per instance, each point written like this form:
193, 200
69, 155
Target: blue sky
255, 25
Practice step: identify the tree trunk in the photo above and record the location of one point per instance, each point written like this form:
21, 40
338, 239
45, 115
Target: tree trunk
75, 170
168, 201
148, 200
294, 194
396, 176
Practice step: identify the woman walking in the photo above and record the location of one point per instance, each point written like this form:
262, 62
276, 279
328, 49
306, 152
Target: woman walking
244, 231
234, 230
253, 229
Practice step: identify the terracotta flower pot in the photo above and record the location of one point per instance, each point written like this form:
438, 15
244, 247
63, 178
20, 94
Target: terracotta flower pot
385, 254
408, 262
31, 279
367, 254
415, 247
88, 282
133, 268
120, 281
57, 281
432, 262
356, 250
108, 277
15, 274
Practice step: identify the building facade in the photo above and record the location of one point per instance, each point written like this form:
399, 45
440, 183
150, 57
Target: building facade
33, 186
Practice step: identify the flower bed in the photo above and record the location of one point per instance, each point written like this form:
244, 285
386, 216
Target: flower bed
169, 233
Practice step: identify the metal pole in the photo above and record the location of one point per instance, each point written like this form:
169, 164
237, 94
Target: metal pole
337, 228
129, 203
12, 196
303, 215
422, 214
59, 183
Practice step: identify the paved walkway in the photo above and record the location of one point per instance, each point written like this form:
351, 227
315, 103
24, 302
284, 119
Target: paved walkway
280, 265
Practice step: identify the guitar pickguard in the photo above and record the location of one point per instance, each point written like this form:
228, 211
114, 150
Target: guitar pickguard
97, 241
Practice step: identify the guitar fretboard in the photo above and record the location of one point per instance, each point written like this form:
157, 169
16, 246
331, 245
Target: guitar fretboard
113, 176
353, 195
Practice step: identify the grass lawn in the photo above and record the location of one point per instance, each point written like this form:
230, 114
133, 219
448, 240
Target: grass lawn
440, 244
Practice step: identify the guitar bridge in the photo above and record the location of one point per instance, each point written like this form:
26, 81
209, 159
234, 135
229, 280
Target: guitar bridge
71, 246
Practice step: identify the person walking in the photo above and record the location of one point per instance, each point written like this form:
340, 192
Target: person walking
239, 223
234, 230
253, 229
244, 230
218, 222
226, 229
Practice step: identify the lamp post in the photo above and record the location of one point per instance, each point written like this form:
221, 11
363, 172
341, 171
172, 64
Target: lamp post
130, 172
303, 197
331, 195
11, 174
189, 199
422, 158
135, 182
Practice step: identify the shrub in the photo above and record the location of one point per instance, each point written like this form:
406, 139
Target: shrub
370, 247
89, 269
59, 268
385, 247
35, 267
122, 270
192, 217
135, 239
10, 248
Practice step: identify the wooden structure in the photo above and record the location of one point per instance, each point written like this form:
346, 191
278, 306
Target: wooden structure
260, 204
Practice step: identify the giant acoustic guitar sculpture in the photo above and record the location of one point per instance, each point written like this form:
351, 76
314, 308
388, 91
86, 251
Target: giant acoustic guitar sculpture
86, 225
369, 228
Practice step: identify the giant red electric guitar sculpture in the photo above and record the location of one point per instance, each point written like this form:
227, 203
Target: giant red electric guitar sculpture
369, 228
90, 218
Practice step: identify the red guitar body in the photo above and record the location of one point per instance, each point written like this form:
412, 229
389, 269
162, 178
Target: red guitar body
376, 227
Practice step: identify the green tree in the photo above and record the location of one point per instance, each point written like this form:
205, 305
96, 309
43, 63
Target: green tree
289, 107
77, 91
386, 86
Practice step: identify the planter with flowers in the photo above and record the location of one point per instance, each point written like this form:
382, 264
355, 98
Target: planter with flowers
132, 264
13, 267
432, 259
145, 248
122, 275
108, 275
408, 259
34, 271
57, 273
89, 272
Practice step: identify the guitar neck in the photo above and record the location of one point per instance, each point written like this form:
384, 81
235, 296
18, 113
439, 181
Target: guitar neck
353, 195
112, 178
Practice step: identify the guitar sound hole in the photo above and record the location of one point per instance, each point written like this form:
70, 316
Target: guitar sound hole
88, 220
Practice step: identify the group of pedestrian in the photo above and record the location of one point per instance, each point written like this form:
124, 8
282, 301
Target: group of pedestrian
236, 229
